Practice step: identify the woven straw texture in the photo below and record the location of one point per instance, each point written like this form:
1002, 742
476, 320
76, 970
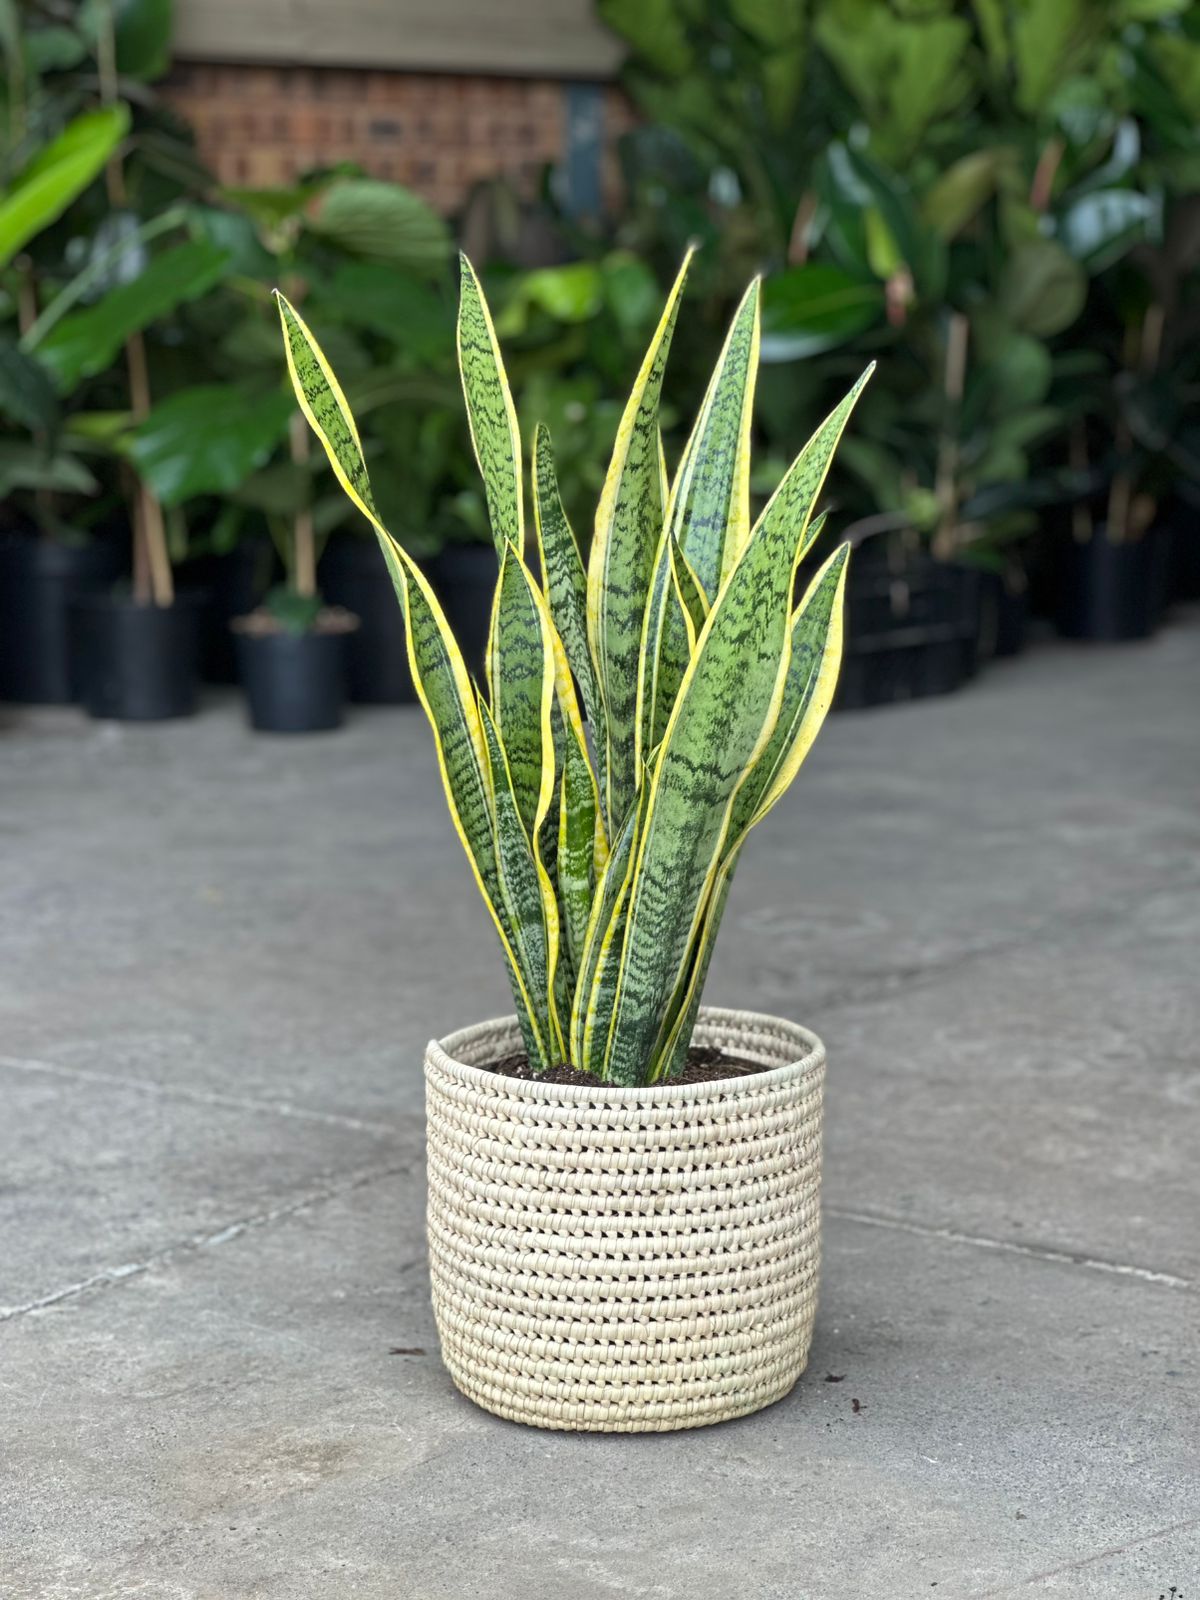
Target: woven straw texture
626, 1260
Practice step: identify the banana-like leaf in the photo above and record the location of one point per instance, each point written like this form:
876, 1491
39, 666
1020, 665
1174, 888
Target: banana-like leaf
709, 513
520, 670
439, 672
491, 413
57, 175
529, 902
628, 528
87, 341
723, 719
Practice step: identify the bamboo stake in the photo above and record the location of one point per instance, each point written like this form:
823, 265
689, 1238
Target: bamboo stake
153, 580
304, 545
946, 476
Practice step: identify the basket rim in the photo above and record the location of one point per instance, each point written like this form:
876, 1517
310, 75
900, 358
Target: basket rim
441, 1053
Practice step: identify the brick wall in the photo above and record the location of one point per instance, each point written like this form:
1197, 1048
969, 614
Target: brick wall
259, 126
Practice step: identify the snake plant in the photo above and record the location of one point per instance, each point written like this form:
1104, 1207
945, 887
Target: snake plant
641, 713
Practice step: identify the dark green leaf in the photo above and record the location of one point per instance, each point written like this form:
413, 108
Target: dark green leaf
382, 222
85, 342
815, 307
208, 440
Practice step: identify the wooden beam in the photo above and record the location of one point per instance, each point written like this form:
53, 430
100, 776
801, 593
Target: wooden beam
512, 38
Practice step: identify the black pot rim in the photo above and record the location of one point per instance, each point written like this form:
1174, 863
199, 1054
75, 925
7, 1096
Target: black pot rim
186, 600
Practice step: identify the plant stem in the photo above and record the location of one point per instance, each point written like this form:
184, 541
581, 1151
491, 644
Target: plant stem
304, 546
152, 576
33, 335
149, 530
946, 478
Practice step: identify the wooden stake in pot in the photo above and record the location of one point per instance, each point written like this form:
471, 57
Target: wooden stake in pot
153, 580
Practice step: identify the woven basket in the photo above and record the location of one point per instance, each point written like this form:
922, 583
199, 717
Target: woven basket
626, 1260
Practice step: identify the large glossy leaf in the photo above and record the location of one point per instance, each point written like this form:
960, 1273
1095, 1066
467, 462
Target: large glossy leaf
382, 222
26, 466
815, 307
57, 175
86, 342
628, 528
26, 394
1042, 290
208, 439
1099, 227
141, 33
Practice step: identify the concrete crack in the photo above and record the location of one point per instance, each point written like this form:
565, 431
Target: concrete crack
1013, 1247
205, 1241
1089, 1561
204, 1097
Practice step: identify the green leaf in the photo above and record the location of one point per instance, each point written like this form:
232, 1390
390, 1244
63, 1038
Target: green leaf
26, 394
382, 222
563, 578
1042, 290
599, 966
569, 294
629, 524
576, 860
491, 414
1098, 228
520, 669
86, 342
816, 655
28, 466
142, 33
410, 313
816, 307
296, 613
656, 31
208, 440
57, 175
709, 513
439, 673
964, 189
534, 936
724, 717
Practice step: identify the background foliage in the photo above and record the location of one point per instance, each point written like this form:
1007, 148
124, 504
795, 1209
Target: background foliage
997, 199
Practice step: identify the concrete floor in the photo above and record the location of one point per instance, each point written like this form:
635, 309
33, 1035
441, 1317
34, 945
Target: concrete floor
218, 1368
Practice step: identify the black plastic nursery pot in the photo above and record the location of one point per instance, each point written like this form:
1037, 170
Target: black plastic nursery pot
235, 582
39, 579
1108, 591
464, 576
1004, 614
353, 574
912, 629
294, 682
138, 663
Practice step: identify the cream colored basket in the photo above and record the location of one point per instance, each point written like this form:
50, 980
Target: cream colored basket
626, 1260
